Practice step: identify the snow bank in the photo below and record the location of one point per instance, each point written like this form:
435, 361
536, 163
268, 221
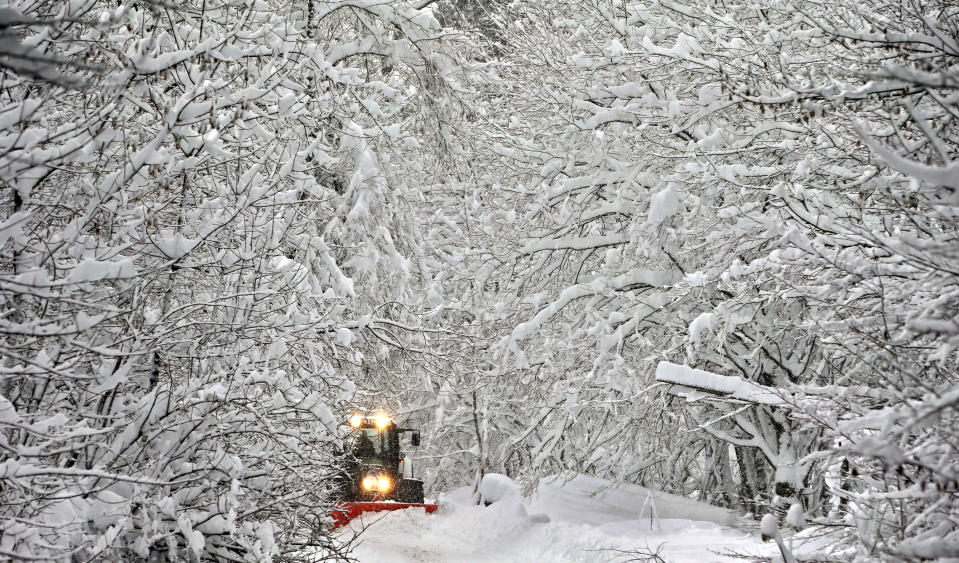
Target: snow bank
594, 501
585, 520
496, 487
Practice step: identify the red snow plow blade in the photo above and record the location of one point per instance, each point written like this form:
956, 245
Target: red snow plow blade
350, 510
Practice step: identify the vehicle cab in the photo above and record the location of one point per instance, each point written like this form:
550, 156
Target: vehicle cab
375, 465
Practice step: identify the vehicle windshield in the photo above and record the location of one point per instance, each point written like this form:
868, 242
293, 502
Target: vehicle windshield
370, 445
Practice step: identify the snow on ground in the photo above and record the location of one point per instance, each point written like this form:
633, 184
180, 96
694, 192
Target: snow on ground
575, 521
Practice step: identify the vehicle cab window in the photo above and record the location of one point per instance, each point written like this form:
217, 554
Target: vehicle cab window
371, 446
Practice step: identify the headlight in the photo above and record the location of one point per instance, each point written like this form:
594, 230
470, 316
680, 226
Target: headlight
356, 420
382, 421
379, 483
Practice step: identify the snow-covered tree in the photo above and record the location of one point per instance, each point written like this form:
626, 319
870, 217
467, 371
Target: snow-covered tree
224, 223
195, 231
759, 190
875, 213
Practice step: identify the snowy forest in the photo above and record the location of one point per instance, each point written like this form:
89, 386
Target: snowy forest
709, 247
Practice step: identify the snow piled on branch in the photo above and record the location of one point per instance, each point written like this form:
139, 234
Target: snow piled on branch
726, 386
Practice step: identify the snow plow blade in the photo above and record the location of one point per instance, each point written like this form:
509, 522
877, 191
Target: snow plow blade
350, 510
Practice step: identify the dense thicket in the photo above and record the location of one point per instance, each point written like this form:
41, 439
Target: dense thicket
224, 223
763, 190
205, 243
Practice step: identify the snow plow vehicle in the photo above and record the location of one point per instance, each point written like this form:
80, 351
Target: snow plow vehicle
376, 475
